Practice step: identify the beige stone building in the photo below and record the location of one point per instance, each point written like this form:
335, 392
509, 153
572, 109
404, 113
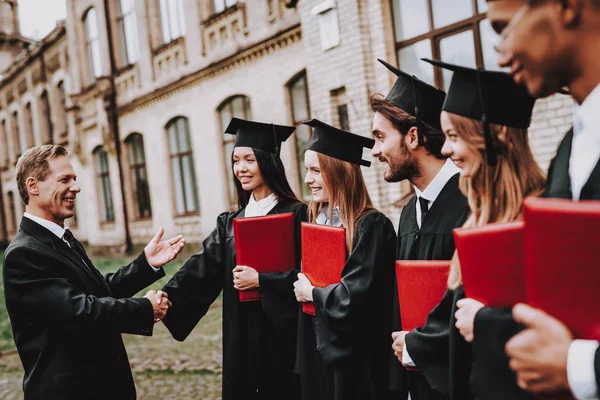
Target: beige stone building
140, 92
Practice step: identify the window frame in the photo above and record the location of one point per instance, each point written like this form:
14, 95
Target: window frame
12, 209
180, 155
92, 44
127, 43
304, 190
137, 170
104, 186
62, 99
47, 131
16, 134
167, 33
435, 35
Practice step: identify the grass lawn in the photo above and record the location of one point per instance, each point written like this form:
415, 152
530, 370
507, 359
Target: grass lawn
162, 367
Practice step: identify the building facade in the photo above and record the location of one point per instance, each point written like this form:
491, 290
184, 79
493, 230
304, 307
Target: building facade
140, 92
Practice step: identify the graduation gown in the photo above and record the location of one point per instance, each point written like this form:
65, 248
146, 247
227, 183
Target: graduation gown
342, 351
492, 377
434, 241
259, 337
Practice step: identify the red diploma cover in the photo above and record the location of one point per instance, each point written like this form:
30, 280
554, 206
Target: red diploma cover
561, 258
266, 244
492, 262
323, 256
421, 286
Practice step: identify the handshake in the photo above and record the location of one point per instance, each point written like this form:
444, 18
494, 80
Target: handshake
160, 304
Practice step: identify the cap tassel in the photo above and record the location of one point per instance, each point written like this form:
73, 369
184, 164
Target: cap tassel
420, 126
490, 150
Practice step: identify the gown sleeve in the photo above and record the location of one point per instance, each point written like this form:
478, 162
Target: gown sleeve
197, 284
339, 307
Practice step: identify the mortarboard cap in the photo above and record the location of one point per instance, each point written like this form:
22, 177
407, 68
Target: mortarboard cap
337, 143
259, 135
488, 96
419, 99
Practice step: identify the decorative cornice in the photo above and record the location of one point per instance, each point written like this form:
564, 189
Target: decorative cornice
278, 41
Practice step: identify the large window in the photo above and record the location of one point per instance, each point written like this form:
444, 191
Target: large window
452, 31
107, 211
239, 107
182, 167
62, 108
298, 90
92, 41
28, 126
16, 135
46, 120
171, 19
221, 5
13, 212
138, 175
127, 31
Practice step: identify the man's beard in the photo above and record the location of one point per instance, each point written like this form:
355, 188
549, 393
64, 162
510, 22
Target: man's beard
407, 168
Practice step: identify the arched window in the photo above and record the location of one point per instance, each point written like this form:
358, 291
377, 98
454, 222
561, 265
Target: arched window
138, 175
92, 41
107, 211
29, 142
128, 31
182, 167
298, 92
171, 19
4, 147
46, 120
239, 107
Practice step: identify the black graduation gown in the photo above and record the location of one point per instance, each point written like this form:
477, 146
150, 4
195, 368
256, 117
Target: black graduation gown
433, 242
342, 351
259, 337
492, 378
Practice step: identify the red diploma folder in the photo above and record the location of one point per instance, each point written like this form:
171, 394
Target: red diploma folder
266, 244
323, 256
561, 258
492, 262
421, 286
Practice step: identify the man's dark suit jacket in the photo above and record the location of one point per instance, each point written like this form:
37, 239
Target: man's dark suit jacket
67, 318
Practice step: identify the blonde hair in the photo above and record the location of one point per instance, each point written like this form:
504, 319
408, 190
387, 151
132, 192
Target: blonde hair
495, 194
347, 191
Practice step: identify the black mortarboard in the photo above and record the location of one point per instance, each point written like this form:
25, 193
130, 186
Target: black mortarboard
489, 96
337, 143
419, 99
259, 135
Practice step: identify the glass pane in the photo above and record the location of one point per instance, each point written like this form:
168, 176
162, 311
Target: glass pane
184, 138
225, 114
91, 24
173, 147
230, 178
96, 61
131, 38
457, 49
179, 202
299, 100
410, 60
164, 21
141, 156
238, 107
410, 18
174, 19
219, 5
488, 40
126, 6
181, 16
229, 3
189, 182
448, 12
482, 6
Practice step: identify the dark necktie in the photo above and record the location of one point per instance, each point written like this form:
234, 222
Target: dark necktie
424, 208
75, 246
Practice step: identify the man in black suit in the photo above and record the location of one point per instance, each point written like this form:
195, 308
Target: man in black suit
66, 317
549, 45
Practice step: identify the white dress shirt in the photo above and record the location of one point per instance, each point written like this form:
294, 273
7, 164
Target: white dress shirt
585, 153
585, 148
59, 231
431, 193
262, 207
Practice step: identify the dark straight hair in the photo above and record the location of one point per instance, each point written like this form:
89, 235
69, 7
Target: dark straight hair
273, 174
